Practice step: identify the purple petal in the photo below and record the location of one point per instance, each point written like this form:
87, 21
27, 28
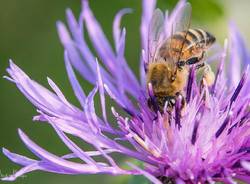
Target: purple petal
43, 154
79, 93
98, 38
148, 7
90, 112
21, 172
174, 16
246, 165
18, 159
89, 153
73, 54
116, 25
69, 166
101, 92
238, 56
73, 147
146, 174
39, 96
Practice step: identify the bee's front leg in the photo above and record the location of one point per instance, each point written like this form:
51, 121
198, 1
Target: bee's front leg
183, 102
199, 66
201, 58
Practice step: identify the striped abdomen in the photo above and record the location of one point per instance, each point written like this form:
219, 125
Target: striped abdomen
186, 44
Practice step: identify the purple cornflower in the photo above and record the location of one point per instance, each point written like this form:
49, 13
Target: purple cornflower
209, 142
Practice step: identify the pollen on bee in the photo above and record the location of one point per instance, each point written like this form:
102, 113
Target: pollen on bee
208, 75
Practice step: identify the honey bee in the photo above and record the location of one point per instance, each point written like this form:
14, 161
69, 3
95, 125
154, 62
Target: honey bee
170, 58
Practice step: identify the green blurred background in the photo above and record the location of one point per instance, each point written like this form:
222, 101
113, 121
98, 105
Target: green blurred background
28, 36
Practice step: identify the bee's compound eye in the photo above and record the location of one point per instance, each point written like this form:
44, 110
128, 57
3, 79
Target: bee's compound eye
192, 61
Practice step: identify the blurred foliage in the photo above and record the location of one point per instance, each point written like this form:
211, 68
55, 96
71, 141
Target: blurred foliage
207, 11
28, 35
138, 180
202, 11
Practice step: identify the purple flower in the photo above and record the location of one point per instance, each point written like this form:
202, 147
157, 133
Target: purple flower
209, 142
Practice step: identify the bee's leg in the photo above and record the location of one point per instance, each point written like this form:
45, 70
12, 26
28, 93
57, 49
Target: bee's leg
203, 54
153, 104
170, 101
152, 100
208, 75
200, 66
183, 102
196, 60
201, 58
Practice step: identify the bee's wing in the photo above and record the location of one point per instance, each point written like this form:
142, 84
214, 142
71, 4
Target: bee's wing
182, 24
155, 34
183, 19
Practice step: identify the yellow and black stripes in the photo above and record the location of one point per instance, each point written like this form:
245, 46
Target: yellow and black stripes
192, 37
199, 36
185, 44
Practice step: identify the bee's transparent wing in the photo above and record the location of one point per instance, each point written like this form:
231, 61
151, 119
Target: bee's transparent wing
157, 40
181, 24
183, 19
156, 34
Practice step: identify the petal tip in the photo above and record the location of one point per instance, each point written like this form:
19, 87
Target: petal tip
21, 133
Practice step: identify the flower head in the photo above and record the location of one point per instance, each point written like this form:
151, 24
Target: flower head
208, 142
